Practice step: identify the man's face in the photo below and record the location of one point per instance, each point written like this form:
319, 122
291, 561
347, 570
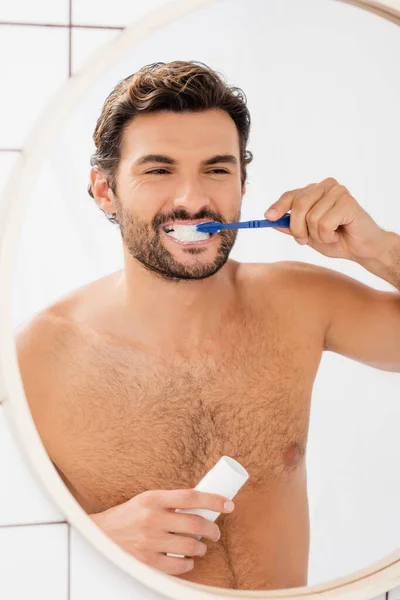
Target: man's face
155, 193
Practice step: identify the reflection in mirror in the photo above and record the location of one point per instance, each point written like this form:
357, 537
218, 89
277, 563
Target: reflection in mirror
147, 358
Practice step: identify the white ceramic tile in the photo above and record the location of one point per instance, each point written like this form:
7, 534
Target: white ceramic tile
118, 12
21, 498
394, 594
36, 67
86, 42
40, 11
7, 160
34, 562
94, 576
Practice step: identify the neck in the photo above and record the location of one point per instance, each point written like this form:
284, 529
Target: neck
174, 316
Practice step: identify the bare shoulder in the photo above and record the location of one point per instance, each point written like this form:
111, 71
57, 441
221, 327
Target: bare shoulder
321, 282
326, 295
43, 345
300, 290
56, 330
51, 344
40, 340
292, 275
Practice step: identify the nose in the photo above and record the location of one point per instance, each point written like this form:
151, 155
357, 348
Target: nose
192, 198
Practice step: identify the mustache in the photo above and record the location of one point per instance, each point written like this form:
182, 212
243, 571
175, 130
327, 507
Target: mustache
183, 215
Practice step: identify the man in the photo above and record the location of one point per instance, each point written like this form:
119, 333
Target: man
140, 381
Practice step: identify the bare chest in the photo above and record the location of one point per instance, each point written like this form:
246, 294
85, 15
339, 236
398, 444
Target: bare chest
131, 422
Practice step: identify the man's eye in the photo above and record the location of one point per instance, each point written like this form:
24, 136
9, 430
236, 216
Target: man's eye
156, 171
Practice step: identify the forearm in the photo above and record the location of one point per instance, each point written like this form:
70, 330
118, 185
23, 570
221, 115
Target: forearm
387, 264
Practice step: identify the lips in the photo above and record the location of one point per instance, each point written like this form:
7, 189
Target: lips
170, 224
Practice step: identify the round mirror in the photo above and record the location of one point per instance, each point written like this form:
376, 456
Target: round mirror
134, 358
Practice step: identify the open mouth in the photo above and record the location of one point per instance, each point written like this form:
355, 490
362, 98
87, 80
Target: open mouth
187, 233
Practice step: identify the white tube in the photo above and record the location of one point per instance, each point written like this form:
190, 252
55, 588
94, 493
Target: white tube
225, 478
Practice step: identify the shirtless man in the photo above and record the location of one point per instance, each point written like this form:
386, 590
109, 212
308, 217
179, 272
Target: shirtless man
140, 381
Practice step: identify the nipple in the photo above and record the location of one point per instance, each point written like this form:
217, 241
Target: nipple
292, 455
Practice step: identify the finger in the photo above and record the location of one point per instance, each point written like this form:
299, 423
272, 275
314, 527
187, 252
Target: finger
303, 204
178, 544
175, 566
323, 234
194, 525
285, 230
331, 221
284, 204
167, 564
187, 498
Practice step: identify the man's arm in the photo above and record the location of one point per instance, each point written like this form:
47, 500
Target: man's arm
363, 323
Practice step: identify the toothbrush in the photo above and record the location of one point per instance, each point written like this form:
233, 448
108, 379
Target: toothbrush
215, 226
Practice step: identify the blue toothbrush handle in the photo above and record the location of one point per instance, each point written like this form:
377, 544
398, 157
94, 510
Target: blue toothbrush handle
215, 226
282, 222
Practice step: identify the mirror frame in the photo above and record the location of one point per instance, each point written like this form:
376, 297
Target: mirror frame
363, 584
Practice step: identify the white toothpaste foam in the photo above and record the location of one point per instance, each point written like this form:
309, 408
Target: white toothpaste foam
187, 233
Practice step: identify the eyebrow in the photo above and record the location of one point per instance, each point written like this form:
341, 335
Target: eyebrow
160, 158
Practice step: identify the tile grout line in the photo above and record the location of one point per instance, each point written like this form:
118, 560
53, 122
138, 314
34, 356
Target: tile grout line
70, 27
69, 562
34, 524
60, 26
69, 38
69, 75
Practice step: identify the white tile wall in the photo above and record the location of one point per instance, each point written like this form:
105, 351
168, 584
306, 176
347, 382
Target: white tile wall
36, 66
87, 42
21, 499
34, 562
394, 594
40, 11
117, 12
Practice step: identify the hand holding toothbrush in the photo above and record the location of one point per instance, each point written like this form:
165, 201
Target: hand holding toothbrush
326, 217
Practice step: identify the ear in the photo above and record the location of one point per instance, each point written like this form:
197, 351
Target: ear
243, 189
101, 190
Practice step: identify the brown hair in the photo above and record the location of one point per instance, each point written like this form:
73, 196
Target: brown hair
177, 86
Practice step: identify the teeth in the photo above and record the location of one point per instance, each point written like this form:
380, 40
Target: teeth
186, 233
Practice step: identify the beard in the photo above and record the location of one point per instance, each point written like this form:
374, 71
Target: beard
144, 243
